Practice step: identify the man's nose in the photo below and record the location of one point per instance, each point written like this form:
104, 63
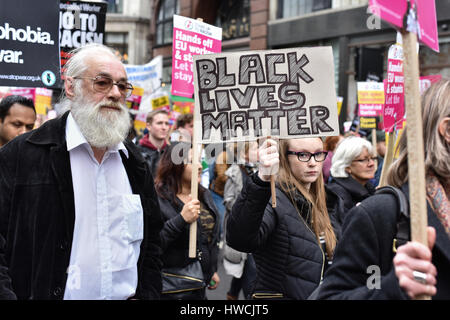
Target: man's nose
114, 93
22, 130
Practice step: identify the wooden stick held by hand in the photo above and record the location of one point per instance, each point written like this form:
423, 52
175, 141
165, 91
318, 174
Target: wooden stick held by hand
272, 185
416, 161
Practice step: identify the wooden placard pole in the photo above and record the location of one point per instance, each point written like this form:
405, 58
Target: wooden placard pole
388, 159
374, 141
194, 195
272, 187
416, 161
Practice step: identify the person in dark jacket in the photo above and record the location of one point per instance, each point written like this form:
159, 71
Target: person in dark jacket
368, 264
79, 216
173, 185
354, 164
17, 116
154, 143
292, 242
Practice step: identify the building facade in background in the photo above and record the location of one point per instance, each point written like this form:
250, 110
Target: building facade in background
127, 29
360, 42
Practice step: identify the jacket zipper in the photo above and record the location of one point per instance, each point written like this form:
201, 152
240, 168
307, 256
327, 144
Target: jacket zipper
261, 295
320, 247
180, 276
182, 290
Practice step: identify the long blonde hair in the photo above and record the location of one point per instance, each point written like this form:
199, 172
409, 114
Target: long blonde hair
435, 107
315, 195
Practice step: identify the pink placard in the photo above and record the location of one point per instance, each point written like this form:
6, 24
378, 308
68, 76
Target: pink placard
190, 37
391, 11
422, 16
370, 110
426, 12
426, 81
24, 92
394, 108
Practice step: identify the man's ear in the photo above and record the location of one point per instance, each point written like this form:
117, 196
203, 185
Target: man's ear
69, 87
444, 128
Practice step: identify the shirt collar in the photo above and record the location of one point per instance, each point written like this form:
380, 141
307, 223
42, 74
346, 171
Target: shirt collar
75, 138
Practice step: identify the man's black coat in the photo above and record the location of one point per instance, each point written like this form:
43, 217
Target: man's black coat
37, 216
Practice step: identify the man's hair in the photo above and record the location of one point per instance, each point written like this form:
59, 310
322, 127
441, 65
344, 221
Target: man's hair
8, 101
346, 151
435, 107
184, 119
77, 65
153, 113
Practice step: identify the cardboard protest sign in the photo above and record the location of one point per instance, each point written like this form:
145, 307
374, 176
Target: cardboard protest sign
29, 50
134, 100
370, 99
24, 92
80, 23
287, 93
161, 102
147, 76
140, 122
368, 123
340, 100
43, 100
190, 37
41, 97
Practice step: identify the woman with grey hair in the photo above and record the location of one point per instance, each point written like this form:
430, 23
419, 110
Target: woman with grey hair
353, 165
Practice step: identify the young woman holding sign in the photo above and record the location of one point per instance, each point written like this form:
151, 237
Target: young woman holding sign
292, 242
374, 259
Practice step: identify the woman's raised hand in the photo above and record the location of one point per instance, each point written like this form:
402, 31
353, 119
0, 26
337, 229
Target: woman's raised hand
269, 159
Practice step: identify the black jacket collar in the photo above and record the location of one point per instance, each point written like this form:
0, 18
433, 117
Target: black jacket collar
357, 190
442, 238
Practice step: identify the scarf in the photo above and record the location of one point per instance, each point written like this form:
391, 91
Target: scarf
145, 141
437, 198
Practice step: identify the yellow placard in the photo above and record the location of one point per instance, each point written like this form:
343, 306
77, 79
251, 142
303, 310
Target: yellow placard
160, 102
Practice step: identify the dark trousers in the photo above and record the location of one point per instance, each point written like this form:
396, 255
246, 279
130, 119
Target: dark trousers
246, 281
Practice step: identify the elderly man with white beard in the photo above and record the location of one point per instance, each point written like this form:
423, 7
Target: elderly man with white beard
79, 216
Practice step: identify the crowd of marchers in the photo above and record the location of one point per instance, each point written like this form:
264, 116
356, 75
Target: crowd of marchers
91, 210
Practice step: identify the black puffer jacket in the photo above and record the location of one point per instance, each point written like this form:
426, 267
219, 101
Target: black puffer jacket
175, 236
350, 193
289, 259
366, 247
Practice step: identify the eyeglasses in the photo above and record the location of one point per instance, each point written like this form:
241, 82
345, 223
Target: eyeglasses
304, 156
366, 160
103, 84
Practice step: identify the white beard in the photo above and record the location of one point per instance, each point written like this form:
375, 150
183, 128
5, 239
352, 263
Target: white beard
101, 127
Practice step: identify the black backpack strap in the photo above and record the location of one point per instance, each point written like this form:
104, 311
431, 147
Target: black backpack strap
403, 234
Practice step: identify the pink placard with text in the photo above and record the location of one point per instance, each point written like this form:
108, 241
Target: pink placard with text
391, 11
394, 108
420, 16
190, 37
426, 12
